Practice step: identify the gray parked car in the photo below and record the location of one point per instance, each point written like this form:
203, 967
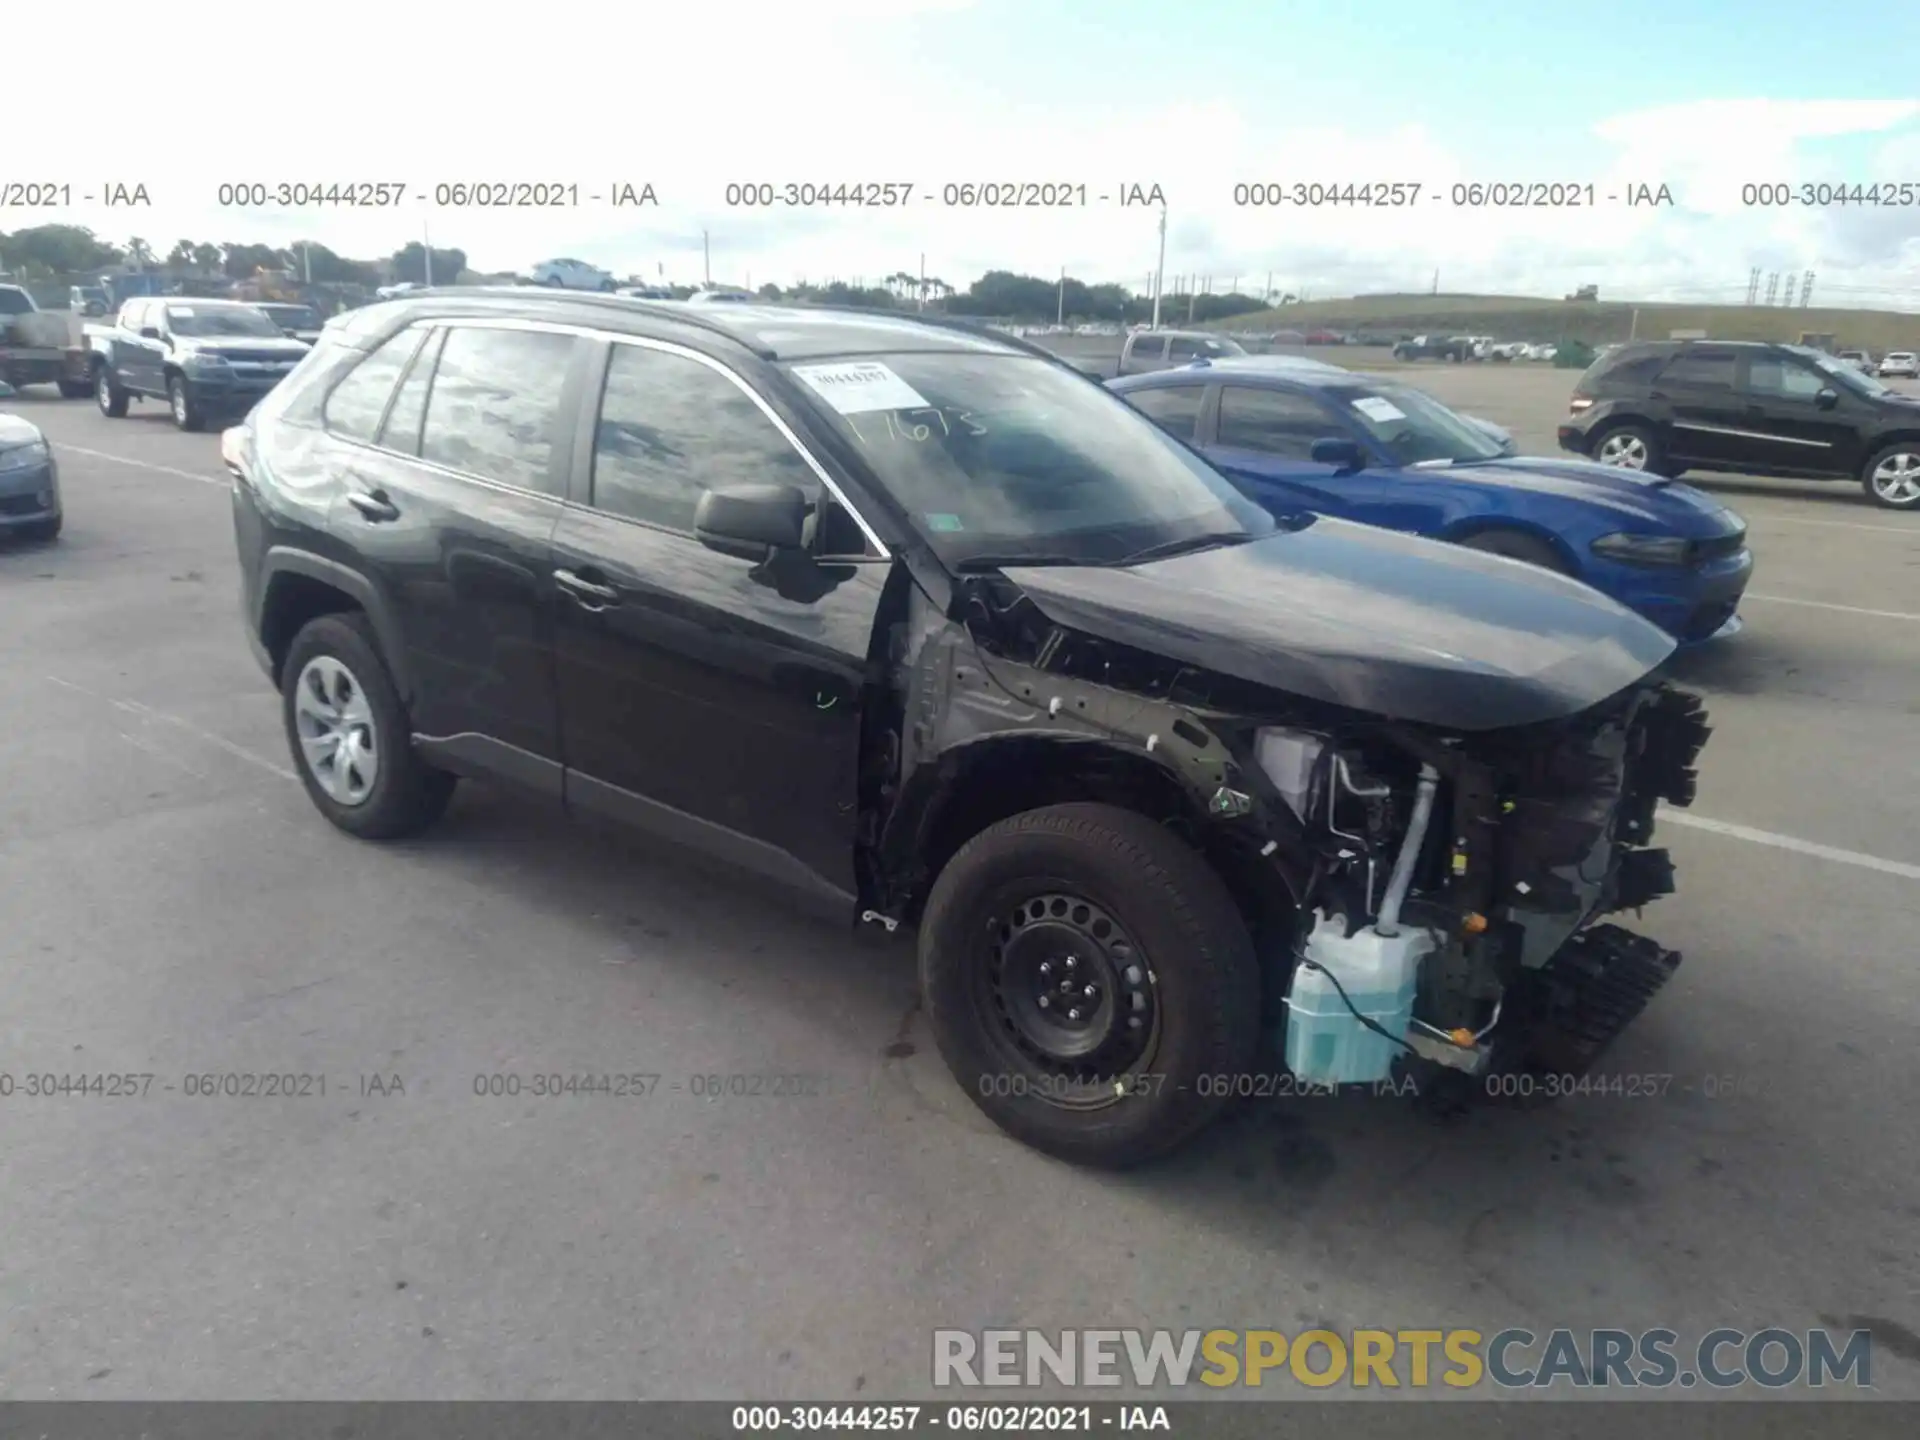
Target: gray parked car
29, 480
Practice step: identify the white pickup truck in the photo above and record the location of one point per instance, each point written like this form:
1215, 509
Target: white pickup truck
36, 346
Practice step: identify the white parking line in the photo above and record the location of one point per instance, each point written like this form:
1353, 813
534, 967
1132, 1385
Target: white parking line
142, 464
1832, 524
147, 712
1827, 605
1789, 842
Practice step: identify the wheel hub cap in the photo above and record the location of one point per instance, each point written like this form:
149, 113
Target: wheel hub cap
1897, 479
1069, 986
1629, 452
338, 741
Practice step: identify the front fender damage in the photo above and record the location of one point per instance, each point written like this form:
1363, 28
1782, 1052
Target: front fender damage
1312, 813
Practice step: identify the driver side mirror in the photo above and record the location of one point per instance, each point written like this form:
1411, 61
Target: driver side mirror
149, 332
1827, 398
1337, 451
750, 522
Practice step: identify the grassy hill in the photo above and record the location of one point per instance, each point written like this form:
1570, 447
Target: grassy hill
1520, 317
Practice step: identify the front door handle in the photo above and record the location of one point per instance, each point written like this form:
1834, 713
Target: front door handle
587, 592
373, 504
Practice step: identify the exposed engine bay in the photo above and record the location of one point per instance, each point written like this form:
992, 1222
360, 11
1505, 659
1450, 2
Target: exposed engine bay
1428, 896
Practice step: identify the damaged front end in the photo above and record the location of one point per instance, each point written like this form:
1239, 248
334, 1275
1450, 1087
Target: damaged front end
1421, 894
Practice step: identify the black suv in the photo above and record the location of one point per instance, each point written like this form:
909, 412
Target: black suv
1669, 406
922, 622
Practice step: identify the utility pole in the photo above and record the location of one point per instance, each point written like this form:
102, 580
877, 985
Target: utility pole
1060, 310
1160, 270
706, 257
426, 251
1267, 294
306, 260
1806, 289
923, 280
1436, 281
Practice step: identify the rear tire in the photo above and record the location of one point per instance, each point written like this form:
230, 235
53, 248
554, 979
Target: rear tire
1630, 447
1161, 942
1892, 477
403, 795
1517, 546
108, 394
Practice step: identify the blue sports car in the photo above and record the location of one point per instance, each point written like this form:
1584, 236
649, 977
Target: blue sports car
1298, 437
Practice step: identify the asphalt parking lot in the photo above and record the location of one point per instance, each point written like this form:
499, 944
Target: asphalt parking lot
174, 906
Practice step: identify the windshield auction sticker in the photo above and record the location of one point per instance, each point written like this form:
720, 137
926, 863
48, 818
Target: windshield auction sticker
859, 387
1376, 408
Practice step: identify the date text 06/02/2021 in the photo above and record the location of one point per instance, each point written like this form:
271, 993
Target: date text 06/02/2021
963, 1419
1060, 194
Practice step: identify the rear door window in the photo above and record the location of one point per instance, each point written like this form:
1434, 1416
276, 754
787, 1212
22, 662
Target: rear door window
1178, 350
401, 431
1148, 347
1174, 408
494, 408
1274, 422
1702, 367
358, 402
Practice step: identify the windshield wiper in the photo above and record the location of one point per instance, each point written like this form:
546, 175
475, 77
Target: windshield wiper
1002, 562
1168, 548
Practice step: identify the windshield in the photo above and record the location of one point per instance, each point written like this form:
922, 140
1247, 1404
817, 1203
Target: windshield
1847, 376
297, 317
221, 320
1414, 428
1012, 458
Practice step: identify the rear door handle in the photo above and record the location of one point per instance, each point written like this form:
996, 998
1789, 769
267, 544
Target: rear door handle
373, 504
589, 593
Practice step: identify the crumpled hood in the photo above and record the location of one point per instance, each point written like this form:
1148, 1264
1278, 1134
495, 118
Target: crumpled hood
1634, 493
16, 431
1391, 624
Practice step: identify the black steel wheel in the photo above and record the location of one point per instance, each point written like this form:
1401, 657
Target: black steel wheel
1090, 982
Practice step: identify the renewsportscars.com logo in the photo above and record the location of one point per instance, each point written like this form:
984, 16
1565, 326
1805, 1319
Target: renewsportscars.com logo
1393, 1359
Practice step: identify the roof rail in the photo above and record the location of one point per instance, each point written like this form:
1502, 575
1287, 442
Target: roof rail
626, 304
949, 322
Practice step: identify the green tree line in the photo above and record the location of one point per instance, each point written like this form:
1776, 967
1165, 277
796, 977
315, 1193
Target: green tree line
54, 250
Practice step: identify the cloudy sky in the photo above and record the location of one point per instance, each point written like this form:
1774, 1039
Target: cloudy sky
1195, 97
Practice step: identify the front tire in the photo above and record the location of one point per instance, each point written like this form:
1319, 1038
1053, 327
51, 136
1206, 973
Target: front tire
109, 396
1106, 916
349, 734
187, 413
1892, 477
1517, 546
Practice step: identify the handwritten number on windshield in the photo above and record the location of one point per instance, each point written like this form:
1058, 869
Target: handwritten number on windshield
906, 428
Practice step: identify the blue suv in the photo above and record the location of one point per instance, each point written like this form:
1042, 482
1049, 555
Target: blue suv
1360, 448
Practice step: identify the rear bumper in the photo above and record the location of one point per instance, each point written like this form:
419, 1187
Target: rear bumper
1574, 438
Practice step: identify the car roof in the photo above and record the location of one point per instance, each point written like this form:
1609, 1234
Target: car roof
771, 331
1278, 371
199, 300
